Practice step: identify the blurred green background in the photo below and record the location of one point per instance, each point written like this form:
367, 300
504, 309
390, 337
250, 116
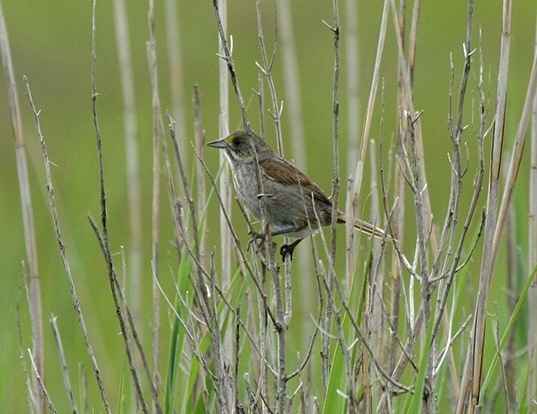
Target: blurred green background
51, 45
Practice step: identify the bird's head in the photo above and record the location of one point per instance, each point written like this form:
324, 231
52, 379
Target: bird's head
240, 146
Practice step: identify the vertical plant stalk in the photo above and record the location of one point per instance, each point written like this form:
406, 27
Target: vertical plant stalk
22, 350
353, 81
379, 334
283, 314
34, 288
200, 184
447, 257
263, 379
480, 315
292, 82
352, 200
507, 356
335, 134
333, 284
293, 93
266, 68
63, 363
226, 56
413, 41
516, 159
276, 112
205, 291
128, 329
532, 239
158, 139
398, 220
63, 255
41, 384
407, 104
134, 191
175, 64
225, 178
223, 130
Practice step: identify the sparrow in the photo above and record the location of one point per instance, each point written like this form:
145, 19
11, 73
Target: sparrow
295, 205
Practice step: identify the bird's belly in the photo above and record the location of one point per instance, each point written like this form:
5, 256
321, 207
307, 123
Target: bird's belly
285, 206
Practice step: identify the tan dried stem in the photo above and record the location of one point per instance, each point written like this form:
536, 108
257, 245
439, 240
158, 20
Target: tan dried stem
35, 305
480, 316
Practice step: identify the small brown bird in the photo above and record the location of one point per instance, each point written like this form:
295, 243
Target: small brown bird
290, 196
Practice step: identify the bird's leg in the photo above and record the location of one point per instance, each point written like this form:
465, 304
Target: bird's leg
288, 249
285, 249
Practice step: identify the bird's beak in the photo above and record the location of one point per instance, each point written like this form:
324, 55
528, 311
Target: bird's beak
219, 143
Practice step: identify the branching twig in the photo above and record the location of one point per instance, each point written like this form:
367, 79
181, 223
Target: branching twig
230, 64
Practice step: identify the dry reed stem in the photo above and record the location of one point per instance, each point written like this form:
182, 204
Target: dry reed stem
292, 90
63, 364
199, 134
41, 384
175, 64
350, 35
291, 81
122, 311
507, 357
226, 56
158, 142
532, 247
134, 191
283, 402
36, 313
223, 128
407, 105
450, 250
352, 200
225, 63
205, 289
266, 68
335, 28
27, 377
478, 336
516, 159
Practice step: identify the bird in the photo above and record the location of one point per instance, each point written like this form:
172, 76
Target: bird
295, 205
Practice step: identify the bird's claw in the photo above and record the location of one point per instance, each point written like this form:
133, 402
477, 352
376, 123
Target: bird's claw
287, 249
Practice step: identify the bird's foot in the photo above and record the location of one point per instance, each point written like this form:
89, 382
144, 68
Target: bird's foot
288, 249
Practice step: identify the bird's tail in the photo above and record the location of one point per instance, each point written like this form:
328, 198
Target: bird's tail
368, 228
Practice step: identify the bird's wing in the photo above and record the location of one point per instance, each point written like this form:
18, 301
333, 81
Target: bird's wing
279, 170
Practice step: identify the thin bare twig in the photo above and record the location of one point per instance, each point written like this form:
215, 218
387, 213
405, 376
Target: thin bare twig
266, 69
102, 237
230, 63
63, 255
41, 384
65, 371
